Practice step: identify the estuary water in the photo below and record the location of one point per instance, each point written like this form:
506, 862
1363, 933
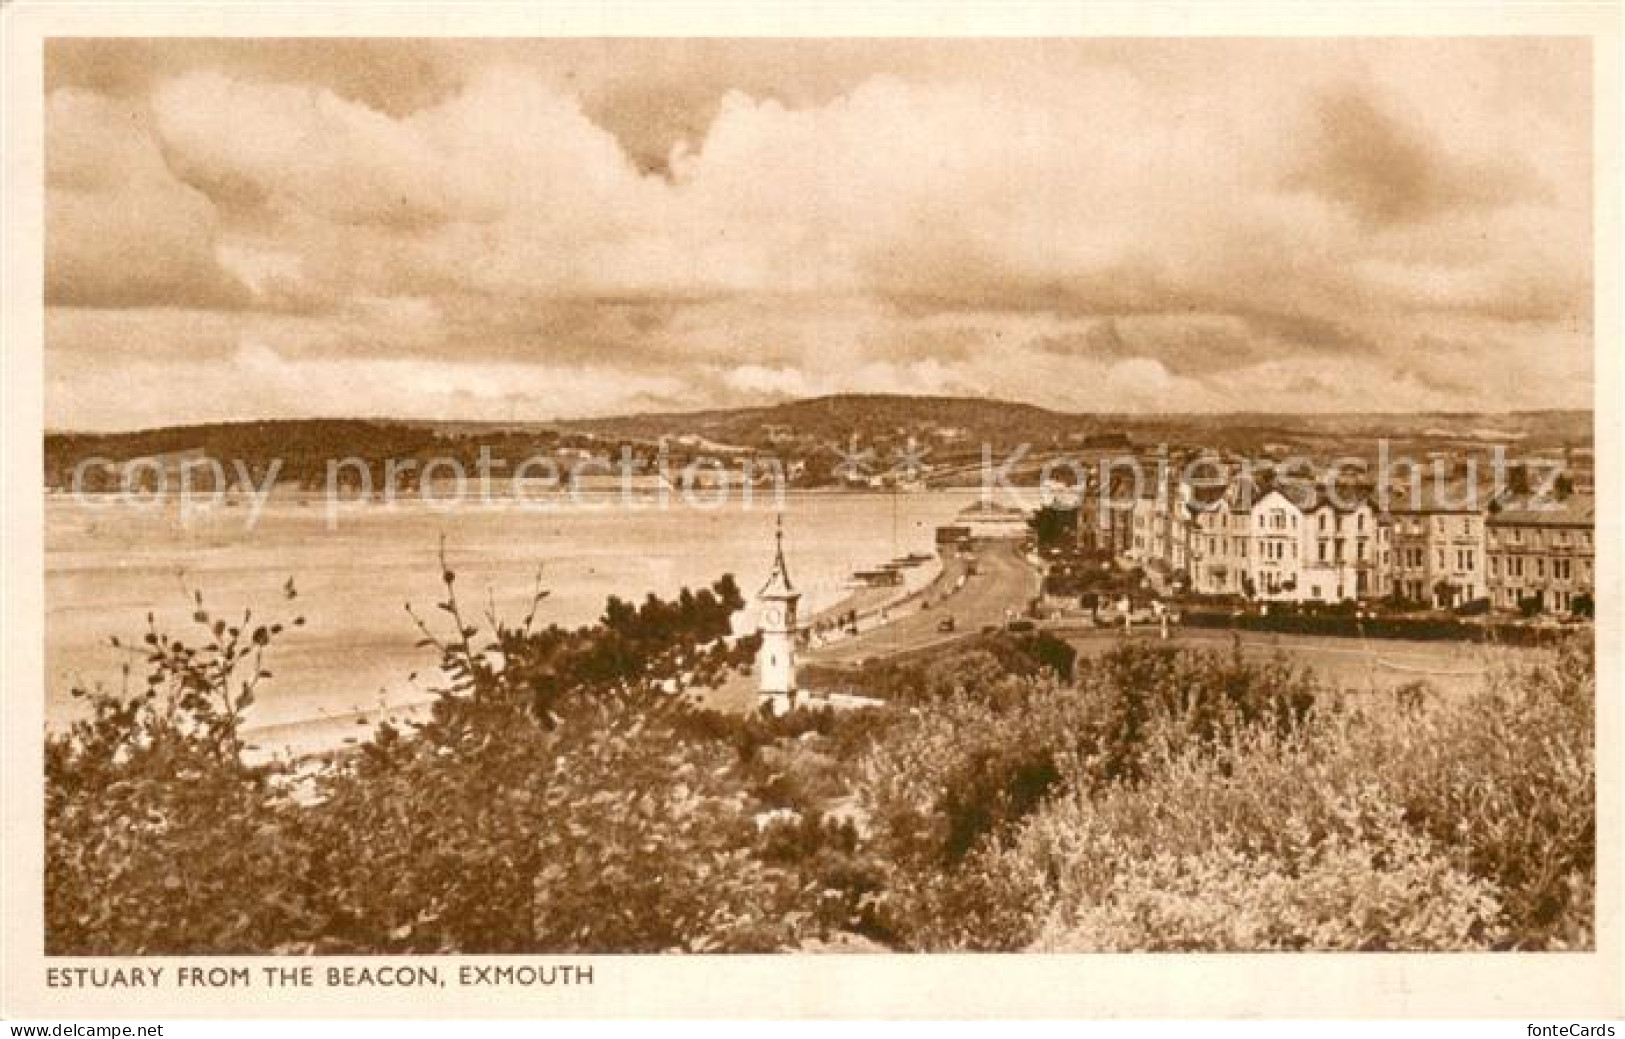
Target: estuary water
108, 564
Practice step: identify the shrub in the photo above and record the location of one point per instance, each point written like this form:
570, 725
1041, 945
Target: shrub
158, 837
557, 800
1258, 847
942, 790
551, 801
1388, 890
1180, 695
1447, 824
1506, 779
978, 663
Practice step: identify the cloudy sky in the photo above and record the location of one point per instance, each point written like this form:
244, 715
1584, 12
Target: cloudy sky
530, 229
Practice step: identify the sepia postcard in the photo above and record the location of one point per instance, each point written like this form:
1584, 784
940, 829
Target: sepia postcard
836, 511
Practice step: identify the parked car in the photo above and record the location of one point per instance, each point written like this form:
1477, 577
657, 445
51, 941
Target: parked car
1142, 613
946, 623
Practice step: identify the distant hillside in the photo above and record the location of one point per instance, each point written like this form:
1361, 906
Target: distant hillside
301, 448
836, 417
808, 431
880, 415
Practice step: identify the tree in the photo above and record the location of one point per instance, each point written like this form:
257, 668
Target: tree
1444, 594
1054, 526
1518, 478
557, 797
154, 823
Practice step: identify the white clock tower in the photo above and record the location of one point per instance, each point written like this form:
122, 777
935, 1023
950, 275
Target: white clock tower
776, 663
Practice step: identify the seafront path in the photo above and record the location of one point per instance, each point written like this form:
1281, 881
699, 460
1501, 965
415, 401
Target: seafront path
1004, 582
999, 590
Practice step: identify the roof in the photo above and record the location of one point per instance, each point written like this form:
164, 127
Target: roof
1274, 492
1343, 499
1577, 510
1454, 498
1238, 493
1202, 496
778, 583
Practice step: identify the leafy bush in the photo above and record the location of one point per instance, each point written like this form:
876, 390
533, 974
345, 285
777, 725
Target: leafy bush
154, 827
604, 833
550, 801
564, 796
1507, 780
1388, 890
1440, 825
1260, 847
977, 663
940, 792
1179, 695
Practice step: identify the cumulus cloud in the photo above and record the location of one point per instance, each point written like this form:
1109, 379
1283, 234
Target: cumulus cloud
1097, 225
1385, 172
121, 231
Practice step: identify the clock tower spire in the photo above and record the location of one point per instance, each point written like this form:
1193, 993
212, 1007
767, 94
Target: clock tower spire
776, 662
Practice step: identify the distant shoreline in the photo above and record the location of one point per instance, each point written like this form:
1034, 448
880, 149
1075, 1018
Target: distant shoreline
598, 424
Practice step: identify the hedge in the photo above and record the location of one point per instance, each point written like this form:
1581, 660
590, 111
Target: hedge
1424, 629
